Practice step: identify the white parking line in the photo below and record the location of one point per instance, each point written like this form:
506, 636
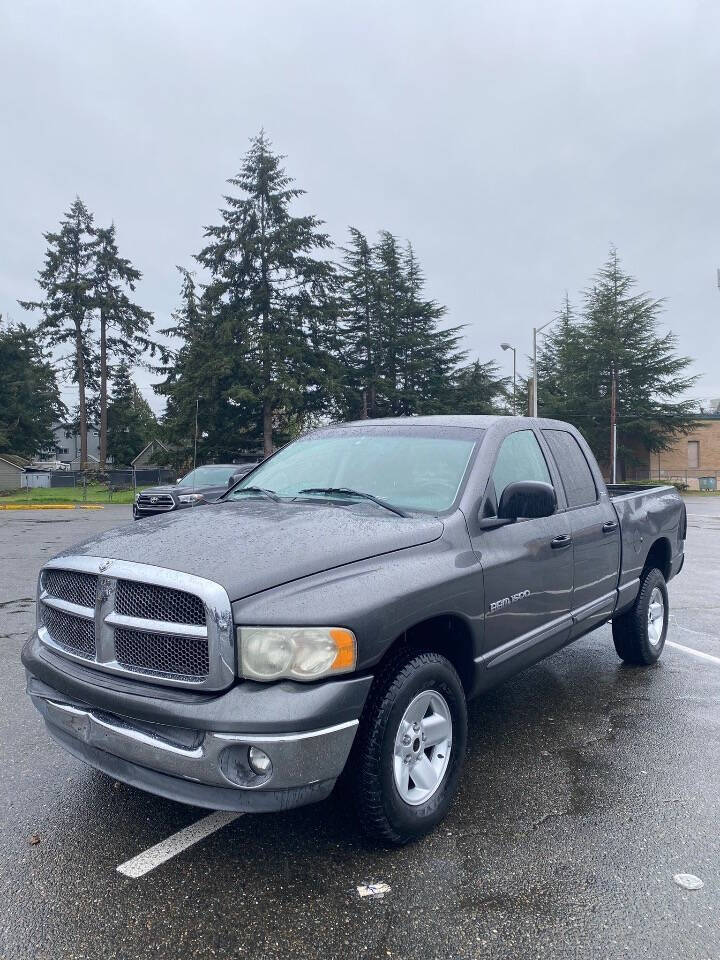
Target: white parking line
152, 857
695, 653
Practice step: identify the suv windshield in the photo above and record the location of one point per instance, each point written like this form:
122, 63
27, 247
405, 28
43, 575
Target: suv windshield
209, 476
409, 467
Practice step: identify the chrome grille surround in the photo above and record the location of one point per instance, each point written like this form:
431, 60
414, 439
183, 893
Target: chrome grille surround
155, 501
212, 669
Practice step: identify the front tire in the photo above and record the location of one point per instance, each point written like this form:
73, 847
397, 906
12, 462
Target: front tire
639, 635
409, 749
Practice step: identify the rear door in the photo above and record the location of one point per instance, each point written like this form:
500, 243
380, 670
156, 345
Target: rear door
595, 533
527, 565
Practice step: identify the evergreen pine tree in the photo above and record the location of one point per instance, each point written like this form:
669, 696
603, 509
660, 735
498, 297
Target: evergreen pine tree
29, 398
561, 365
130, 421
391, 306
478, 389
430, 353
617, 330
123, 324
67, 282
271, 295
360, 348
398, 360
198, 376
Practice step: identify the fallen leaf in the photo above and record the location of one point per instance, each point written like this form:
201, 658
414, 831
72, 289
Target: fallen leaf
34, 839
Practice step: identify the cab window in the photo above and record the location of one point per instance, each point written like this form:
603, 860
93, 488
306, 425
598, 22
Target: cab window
519, 458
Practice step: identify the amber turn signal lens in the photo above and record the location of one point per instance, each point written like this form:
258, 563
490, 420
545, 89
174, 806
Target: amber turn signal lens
346, 649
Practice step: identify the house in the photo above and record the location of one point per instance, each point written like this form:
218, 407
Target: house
66, 444
93, 463
693, 456
12, 470
153, 455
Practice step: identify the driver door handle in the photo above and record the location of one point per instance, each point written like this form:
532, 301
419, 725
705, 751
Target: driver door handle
609, 526
559, 543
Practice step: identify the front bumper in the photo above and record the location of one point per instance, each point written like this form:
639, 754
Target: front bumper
204, 759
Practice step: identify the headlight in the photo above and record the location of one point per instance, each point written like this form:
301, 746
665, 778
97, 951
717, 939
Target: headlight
190, 498
295, 653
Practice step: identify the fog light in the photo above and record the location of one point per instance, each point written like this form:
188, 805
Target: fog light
260, 762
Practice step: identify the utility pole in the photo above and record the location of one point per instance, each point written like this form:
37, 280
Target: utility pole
507, 346
536, 331
197, 406
613, 422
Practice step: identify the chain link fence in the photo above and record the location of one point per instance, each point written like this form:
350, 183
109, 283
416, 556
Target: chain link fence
99, 486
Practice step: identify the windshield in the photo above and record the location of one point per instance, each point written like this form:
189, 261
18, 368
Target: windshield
209, 476
413, 468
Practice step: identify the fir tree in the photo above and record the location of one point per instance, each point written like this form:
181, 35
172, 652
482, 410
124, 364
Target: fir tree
29, 398
430, 353
478, 389
130, 421
271, 295
199, 375
398, 359
123, 324
360, 346
617, 331
67, 282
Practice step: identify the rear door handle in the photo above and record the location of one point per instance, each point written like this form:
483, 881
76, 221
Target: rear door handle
559, 543
609, 526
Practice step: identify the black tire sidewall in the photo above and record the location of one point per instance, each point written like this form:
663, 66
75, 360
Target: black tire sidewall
651, 653
404, 818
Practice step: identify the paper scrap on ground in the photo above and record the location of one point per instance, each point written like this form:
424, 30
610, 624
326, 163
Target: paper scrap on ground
688, 881
376, 890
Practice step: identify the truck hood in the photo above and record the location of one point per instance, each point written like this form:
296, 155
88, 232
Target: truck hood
252, 545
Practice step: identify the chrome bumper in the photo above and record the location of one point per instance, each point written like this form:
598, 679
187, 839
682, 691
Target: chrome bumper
214, 759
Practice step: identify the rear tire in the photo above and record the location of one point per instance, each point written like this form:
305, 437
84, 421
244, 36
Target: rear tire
414, 725
639, 635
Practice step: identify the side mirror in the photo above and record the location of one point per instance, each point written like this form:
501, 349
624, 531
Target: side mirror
529, 499
233, 480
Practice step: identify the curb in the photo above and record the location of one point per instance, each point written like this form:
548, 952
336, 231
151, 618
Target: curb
52, 506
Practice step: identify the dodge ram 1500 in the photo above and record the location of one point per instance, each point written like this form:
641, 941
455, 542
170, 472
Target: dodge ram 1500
334, 612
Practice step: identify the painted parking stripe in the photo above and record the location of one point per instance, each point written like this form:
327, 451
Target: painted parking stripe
167, 849
695, 653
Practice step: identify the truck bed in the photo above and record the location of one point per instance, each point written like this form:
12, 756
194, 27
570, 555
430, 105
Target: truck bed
617, 490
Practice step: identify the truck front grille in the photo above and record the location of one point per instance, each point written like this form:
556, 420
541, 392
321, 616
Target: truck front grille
155, 501
74, 633
146, 600
80, 588
125, 618
162, 654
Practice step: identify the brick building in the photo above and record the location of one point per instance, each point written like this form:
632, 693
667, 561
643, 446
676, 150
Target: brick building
693, 456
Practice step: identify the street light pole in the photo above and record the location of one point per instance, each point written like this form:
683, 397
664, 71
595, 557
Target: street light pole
507, 346
536, 331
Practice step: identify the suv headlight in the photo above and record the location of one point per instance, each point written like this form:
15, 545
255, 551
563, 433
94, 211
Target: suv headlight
295, 653
190, 498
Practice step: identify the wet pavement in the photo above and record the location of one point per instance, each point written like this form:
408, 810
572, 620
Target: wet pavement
587, 786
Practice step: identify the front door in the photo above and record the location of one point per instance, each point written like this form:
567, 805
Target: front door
527, 566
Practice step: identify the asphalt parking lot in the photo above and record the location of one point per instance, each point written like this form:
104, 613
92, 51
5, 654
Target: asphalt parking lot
587, 786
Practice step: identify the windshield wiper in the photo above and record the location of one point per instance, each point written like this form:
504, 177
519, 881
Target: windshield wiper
270, 494
347, 492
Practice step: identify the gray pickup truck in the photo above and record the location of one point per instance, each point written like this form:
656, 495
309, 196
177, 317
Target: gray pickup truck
336, 610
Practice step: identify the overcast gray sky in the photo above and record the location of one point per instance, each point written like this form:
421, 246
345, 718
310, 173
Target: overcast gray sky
511, 142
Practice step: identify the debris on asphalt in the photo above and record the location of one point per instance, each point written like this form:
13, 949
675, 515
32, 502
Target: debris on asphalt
34, 839
688, 881
375, 890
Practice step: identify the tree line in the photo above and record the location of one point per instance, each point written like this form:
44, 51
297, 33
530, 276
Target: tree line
273, 334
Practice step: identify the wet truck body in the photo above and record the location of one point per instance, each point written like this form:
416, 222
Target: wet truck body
335, 610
